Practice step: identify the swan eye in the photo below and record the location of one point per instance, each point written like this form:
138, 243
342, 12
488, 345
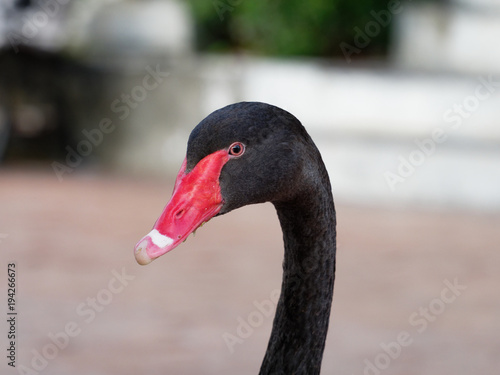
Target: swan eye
236, 149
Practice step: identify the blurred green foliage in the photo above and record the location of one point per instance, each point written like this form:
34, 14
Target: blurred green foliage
291, 27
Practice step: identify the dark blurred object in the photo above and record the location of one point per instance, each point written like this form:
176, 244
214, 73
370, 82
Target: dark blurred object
23, 3
39, 84
4, 133
35, 100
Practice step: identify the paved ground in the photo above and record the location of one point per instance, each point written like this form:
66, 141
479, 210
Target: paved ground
428, 279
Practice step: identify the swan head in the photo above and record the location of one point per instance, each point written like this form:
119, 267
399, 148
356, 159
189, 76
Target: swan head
241, 154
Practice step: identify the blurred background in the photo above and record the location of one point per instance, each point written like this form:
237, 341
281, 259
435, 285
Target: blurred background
97, 100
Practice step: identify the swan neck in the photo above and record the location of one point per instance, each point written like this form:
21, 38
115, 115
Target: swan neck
303, 311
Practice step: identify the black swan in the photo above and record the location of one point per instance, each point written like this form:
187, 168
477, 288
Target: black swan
249, 153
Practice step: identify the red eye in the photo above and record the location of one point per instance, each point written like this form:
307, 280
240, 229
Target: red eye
236, 149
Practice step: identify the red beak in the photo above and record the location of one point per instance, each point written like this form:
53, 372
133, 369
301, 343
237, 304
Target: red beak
195, 200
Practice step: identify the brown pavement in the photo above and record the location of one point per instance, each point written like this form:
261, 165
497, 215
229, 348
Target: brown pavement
416, 292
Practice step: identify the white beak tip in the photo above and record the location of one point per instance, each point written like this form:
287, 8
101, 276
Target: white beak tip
141, 255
